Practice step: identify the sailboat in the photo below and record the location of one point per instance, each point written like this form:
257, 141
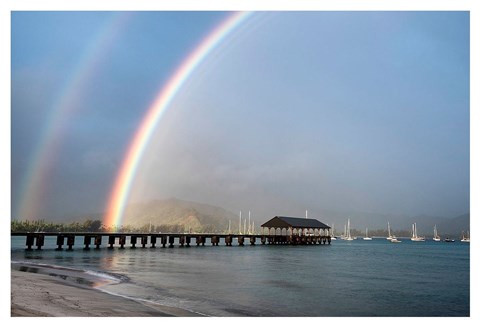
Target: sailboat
436, 238
332, 232
344, 235
366, 238
389, 233
348, 236
415, 237
394, 239
465, 238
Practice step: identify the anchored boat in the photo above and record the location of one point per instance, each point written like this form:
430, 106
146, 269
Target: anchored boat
415, 237
394, 239
465, 238
436, 238
389, 233
366, 238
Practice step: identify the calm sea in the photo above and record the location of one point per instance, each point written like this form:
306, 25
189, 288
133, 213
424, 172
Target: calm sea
356, 278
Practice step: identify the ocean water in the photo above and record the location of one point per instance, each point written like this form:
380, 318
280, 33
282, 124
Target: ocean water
344, 279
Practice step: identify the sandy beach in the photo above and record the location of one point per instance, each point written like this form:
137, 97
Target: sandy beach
40, 295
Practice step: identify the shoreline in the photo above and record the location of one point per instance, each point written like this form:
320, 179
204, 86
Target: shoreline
36, 294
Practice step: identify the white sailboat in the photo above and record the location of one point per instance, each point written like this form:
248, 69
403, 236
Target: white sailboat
394, 239
366, 238
344, 235
389, 232
415, 237
348, 236
436, 238
332, 233
465, 238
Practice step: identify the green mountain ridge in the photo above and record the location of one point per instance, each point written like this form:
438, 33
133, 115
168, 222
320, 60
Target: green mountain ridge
186, 215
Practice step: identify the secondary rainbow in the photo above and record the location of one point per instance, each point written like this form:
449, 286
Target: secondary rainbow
123, 182
35, 182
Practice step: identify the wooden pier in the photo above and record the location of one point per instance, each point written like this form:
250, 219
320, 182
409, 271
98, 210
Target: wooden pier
152, 240
279, 230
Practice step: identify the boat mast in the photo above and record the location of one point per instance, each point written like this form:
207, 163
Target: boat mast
240, 223
348, 228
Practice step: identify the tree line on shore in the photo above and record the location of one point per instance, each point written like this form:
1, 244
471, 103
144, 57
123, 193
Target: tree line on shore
97, 226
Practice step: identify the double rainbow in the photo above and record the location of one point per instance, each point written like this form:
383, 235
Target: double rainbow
38, 173
127, 172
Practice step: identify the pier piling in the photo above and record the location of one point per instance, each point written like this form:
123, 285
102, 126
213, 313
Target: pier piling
70, 242
29, 241
111, 242
60, 240
98, 241
86, 241
40, 241
121, 241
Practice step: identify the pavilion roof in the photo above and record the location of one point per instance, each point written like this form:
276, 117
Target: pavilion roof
292, 222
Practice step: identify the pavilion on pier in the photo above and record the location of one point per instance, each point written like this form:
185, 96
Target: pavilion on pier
287, 226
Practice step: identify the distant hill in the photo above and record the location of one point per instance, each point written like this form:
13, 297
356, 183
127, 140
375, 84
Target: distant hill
451, 227
184, 215
455, 226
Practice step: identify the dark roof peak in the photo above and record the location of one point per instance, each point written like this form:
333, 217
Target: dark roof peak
287, 222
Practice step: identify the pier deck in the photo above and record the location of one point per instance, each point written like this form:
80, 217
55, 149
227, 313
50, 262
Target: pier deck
37, 239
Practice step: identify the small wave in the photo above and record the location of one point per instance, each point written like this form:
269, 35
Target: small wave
46, 265
140, 300
106, 276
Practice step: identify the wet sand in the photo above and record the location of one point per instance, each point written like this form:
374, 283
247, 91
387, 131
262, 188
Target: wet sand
40, 295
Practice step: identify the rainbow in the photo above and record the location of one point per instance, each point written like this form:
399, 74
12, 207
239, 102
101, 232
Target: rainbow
127, 172
40, 168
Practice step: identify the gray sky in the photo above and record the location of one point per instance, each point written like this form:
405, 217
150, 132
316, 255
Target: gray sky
325, 111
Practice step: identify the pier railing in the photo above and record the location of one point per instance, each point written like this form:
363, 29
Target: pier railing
37, 239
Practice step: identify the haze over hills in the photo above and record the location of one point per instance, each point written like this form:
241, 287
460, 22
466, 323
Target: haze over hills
192, 216
198, 217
